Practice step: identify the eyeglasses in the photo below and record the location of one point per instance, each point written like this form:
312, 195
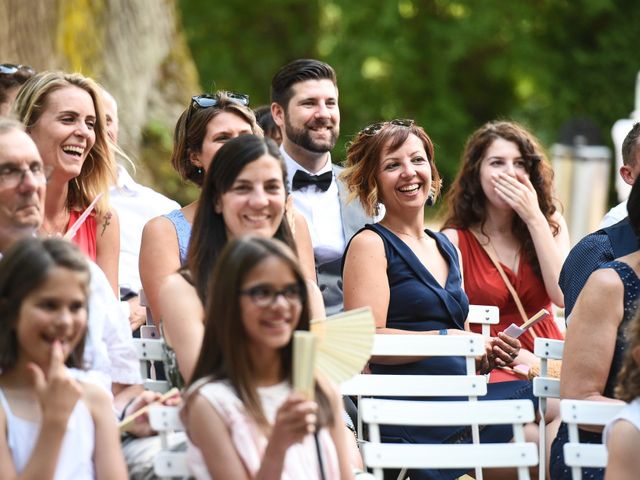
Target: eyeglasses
10, 69
12, 177
374, 128
265, 295
206, 100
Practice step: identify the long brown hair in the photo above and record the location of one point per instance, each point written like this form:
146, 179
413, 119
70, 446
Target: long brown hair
466, 201
628, 387
224, 354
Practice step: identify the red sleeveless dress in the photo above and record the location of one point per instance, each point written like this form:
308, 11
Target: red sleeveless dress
484, 286
85, 237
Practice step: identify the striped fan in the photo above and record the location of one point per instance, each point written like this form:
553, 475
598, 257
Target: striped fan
345, 341
338, 347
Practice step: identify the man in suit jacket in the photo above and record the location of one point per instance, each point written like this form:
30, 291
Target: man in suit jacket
304, 96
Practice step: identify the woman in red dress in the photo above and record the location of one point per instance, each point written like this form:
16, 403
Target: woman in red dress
503, 218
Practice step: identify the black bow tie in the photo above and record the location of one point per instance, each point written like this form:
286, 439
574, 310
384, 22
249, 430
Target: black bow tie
303, 179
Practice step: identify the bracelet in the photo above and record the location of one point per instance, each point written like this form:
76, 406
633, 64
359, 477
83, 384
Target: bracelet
123, 413
443, 332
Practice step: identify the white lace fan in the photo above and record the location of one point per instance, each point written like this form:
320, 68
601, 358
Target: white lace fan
338, 347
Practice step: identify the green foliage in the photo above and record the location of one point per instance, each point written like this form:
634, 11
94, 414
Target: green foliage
451, 65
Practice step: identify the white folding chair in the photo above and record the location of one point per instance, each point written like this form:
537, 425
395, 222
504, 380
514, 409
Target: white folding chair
378, 455
545, 387
151, 350
484, 315
165, 420
470, 385
585, 412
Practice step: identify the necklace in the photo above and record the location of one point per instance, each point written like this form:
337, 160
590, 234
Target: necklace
410, 235
56, 228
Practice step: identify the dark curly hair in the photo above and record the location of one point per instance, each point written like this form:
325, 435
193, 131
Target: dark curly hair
466, 201
628, 387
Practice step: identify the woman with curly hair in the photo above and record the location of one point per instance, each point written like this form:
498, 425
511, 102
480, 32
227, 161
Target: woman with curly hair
513, 240
622, 435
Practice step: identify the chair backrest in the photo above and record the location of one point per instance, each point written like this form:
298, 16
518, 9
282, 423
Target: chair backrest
150, 350
378, 455
585, 412
414, 345
545, 387
485, 315
165, 420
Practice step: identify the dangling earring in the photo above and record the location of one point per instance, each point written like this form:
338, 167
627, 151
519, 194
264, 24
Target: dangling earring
430, 198
199, 170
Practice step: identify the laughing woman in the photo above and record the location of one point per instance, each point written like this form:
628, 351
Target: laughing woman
64, 116
409, 276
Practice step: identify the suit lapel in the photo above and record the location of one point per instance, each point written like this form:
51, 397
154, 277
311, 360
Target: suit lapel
352, 214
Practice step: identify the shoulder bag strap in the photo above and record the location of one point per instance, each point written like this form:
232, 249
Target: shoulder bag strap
494, 259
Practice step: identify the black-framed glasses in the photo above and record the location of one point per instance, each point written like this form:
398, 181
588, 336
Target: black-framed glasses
374, 128
12, 177
10, 69
265, 295
207, 100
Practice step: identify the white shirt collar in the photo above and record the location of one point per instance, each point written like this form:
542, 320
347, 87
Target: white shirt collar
293, 166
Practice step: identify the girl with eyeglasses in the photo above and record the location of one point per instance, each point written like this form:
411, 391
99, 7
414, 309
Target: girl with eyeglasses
64, 115
241, 415
203, 128
12, 77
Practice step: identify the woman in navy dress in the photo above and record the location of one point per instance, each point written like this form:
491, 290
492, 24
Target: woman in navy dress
410, 276
596, 341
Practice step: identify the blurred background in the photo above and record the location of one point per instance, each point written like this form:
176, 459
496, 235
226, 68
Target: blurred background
560, 67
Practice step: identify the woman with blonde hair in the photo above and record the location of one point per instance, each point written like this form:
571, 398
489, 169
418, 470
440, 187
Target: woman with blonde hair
64, 115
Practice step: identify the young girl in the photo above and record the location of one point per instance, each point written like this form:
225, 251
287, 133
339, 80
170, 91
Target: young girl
622, 435
241, 415
52, 426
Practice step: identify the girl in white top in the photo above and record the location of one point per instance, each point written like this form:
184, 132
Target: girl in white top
622, 435
242, 418
53, 427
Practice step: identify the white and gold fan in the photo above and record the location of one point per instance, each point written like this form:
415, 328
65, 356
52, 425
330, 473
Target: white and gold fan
337, 347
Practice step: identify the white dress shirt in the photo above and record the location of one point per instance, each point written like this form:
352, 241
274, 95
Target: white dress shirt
613, 216
321, 210
135, 205
109, 352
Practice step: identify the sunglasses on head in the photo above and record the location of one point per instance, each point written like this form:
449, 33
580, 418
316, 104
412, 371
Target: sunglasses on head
207, 100
10, 69
374, 128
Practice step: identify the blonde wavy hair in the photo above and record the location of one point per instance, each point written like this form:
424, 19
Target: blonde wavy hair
99, 168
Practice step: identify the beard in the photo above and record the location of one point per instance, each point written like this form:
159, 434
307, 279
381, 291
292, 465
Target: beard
303, 136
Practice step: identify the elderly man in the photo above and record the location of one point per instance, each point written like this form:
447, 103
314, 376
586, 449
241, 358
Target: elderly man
109, 353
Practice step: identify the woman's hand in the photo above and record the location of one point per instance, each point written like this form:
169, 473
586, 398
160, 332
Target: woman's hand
519, 194
57, 393
500, 351
295, 419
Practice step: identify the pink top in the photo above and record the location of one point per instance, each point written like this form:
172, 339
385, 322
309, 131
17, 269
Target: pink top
301, 460
85, 237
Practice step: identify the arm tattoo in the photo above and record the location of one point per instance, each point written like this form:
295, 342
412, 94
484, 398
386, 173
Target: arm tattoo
106, 223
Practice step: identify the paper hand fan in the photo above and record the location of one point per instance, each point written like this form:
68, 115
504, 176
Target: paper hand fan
344, 343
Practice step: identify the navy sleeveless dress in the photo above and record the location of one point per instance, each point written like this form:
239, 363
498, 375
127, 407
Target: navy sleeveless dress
419, 303
631, 283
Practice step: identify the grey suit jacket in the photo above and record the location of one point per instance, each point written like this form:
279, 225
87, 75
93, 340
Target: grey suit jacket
353, 218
